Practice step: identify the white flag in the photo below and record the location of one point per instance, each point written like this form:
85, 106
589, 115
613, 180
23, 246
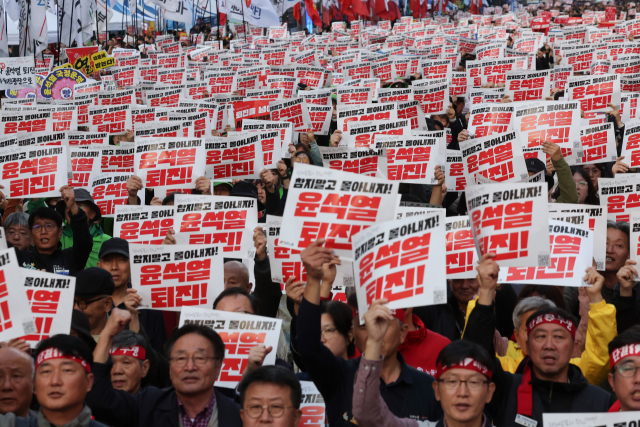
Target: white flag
182, 14
4, 45
260, 13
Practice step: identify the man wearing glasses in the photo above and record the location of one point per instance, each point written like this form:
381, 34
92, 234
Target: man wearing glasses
270, 395
46, 231
94, 287
195, 354
16, 226
624, 358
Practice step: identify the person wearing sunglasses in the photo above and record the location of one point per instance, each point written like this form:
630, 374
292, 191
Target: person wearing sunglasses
94, 287
46, 253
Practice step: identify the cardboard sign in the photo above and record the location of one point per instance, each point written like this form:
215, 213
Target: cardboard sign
118, 159
594, 92
553, 121
164, 98
169, 162
237, 156
362, 134
286, 135
559, 76
110, 190
433, 97
320, 118
313, 407
579, 59
354, 95
597, 145
286, 263
33, 171
170, 277
497, 157
349, 159
216, 220
631, 144
412, 111
239, 332
488, 119
606, 419
398, 260
571, 248
454, 177
324, 203
15, 315
510, 220
461, 256
114, 120
17, 72
159, 129
596, 221
51, 300
116, 97
142, 224
527, 85
408, 158
26, 122
84, 161
369, 112
294, 111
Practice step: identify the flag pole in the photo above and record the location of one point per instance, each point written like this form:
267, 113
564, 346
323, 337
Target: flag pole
71, 22
244, 27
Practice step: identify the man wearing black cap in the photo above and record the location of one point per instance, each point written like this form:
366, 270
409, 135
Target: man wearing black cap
85, 202
94, 287
80, 327
114, 258
46, 231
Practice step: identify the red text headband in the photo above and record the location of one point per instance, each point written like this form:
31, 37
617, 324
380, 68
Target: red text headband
134, 351
551, 318
468, 363
622, 352
54, 353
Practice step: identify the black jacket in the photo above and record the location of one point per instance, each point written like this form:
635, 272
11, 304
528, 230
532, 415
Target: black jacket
150, 407
267, 292
577, 395
411, 396
441, 318
68, 261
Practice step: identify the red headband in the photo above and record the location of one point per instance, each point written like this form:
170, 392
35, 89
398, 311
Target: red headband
622, 352
398, 313
135, 351
551, 318
54, 353
469, 363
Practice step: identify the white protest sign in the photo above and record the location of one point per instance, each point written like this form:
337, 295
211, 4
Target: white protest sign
109, 189
553, 121
598, 145
142, 224
217, 220
33, 171
173, 163
497, 157
510, 220
239, 332
236, 156
354, 160
324, 203
619, 195
169, 277
15, 315
401, 261
408, 158
51, 300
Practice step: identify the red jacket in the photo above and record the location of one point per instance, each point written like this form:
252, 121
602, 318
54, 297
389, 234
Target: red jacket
422, 346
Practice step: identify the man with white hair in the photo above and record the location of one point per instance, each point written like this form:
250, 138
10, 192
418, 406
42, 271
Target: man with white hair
16, 382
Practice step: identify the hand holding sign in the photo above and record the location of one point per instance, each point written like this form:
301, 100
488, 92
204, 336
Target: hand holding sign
169, 239
596, 280
487, 277
314, 257
260, 243
377, 320
627, 276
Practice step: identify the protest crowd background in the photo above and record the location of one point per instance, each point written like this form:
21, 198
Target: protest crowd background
416, 214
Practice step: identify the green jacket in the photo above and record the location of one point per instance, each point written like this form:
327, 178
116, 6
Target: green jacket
568, 192
98, 238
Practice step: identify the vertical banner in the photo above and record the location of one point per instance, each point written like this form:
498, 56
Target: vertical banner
512, 221
140, 224
571, 248
51, 300
217, 220
169, 277
323, 203
15, 315
398, 260
239, 332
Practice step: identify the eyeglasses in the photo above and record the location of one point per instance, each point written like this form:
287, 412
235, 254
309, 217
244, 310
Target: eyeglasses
276, 411
22, 234
627, 371
302, 160
48, 226
82, 304
592, 172
582, 184
328, 333
198, 360
453, 384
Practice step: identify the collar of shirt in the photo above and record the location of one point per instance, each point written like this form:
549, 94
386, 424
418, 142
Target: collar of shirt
405, 375
202, 418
